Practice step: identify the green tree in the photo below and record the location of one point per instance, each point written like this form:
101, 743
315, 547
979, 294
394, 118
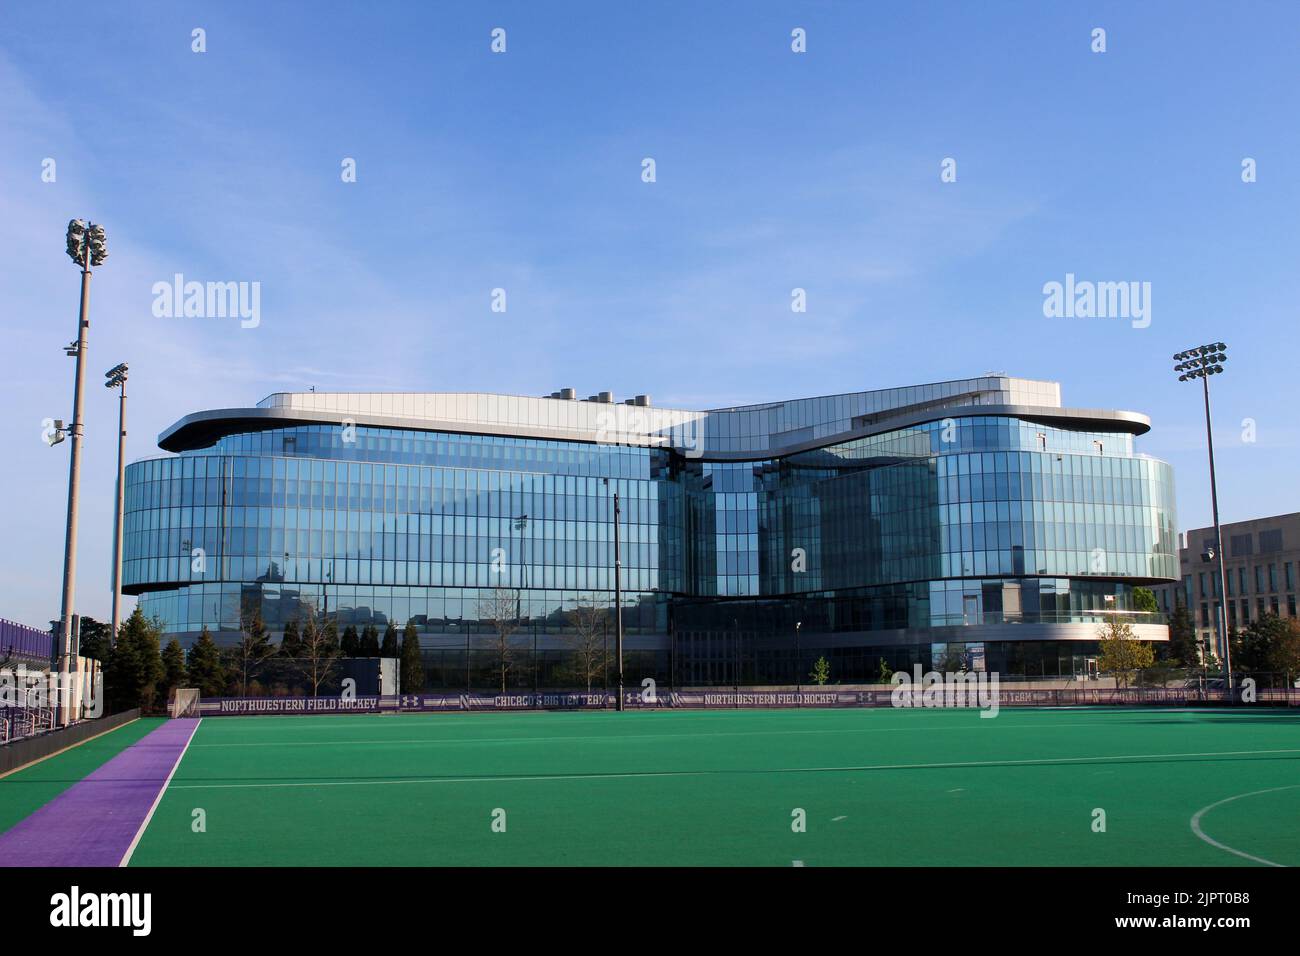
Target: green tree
412, 667
350, 646
1269, 643
369, 642
151, 663
1250, 645
1144, 600
886, 672
821, 671
206, 671
1284, 655
291, 643
134, 666
96, 638
173, 660
389, 647
1122, 654
1182, 646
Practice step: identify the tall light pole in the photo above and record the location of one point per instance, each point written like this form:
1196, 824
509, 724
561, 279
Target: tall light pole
798, 676
618, 601
1202, 362
86, 247
117, 379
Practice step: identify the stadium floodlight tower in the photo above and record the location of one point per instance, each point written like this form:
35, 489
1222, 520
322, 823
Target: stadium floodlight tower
117, 379
87, 246
1200, 363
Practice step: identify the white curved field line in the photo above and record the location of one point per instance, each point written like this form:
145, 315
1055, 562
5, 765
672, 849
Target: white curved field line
1196, 824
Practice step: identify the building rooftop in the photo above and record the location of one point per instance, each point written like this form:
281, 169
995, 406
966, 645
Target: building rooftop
736, 432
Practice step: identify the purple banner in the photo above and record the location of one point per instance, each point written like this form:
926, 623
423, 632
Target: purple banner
557, 700
709, 698
237, 706
705, 698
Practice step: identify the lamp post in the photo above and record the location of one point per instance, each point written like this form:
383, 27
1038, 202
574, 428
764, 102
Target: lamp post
520, 523
1202, 362
618, 601
325, 592
798, 676
117, 379
87, 247
1205, 655
735, 630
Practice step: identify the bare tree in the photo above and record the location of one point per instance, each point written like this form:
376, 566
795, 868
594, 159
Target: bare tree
588, 619
500, 609
318, 652
254, 645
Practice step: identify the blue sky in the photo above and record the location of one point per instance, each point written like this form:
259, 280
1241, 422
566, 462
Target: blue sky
522, 171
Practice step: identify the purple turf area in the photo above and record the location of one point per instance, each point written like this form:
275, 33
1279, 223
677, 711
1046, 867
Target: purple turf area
93, 822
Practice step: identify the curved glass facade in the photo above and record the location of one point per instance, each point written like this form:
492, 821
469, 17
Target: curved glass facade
965, 521
969, 498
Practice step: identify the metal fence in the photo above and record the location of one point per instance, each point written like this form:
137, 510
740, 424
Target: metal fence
19, 722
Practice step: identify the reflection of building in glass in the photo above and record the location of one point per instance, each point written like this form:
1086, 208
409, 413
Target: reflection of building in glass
961, 522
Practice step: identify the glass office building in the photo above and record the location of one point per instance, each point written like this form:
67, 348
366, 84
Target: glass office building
975, 522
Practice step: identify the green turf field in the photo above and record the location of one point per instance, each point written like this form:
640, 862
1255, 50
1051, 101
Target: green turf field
27, 790
879, 787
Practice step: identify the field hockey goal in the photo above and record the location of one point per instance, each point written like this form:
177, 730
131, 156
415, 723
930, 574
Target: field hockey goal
184, 702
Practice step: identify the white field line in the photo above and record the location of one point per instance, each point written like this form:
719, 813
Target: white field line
633, 775
628, 738
1196, 824
158, 799
715, 714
